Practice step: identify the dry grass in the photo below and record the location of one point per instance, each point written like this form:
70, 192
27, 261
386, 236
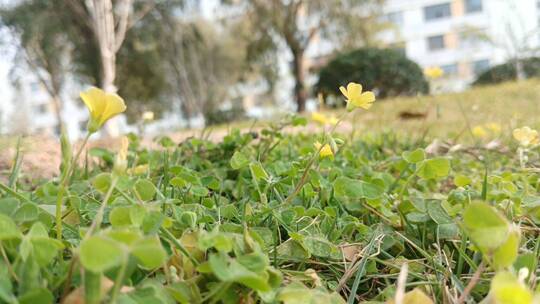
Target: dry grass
509, 104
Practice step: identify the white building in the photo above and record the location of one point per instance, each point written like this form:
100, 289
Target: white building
463, 37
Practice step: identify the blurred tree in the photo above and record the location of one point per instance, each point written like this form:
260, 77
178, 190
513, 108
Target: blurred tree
62, 36
508, 72
204, 61
108, 22
42, 44
297, 23
385, 71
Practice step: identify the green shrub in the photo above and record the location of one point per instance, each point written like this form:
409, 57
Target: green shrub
385, 71
507, 72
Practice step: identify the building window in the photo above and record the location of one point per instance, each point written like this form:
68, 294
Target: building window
480, 66
436, 42
450, 69
473, 6
439, 11
395, 17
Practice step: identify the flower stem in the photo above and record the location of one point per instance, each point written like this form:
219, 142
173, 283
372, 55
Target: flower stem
119, 280
99, 216
474, 280
63, 185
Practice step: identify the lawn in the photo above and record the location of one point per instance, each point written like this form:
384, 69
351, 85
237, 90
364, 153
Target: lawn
508, 104
292, 212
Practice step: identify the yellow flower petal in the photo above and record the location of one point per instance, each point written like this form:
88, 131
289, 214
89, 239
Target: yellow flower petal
344, 92
324, 151
319, 117
120, 163
365, 100
526, 136
323, 119
354, 89
434, 72
148, 116
333, 120
479, 131
355, 97
139, 170
102, 106
94, 99
114, 105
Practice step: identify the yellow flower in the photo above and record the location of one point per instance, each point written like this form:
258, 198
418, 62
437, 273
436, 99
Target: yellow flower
494, 127
526, 136
324, 151
120, 164
480, 132
355, 97
102, 106
323, 119
433, 72
148, 116
139, 170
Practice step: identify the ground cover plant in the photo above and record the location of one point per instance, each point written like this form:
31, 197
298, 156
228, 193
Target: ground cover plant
270, 216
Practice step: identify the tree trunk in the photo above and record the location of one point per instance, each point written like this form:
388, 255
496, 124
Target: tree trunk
108, 65
57, 105
300, 91
520, 70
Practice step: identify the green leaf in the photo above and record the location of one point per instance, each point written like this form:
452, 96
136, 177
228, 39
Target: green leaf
145, 189
119, 216
298, 293
8, 205
437, 213
149, 252
229, 270
239, 160
258, 171
321, 247
462, 180
99, 253
487, 228
8, 228
298, 120
349, 191
37, 296
28, 212
504, 256
45, 249
433, 168
178, 182
255, 261
416, 296
6, 287
292, 249
125, 236
199, 191
102, 182
415, 156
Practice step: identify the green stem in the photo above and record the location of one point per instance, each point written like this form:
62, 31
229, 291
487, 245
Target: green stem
63, 186
12, 192
119, 280
216, 292
171, 238
8, 264
92, 287
99, 216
